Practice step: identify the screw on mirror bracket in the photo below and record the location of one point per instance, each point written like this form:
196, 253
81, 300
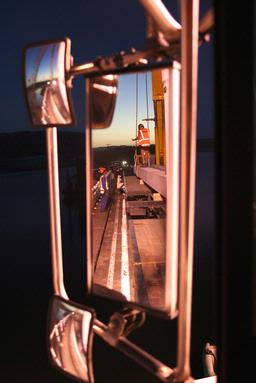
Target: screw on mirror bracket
106, 63
204, 37
124, 322
103, 63
119, 59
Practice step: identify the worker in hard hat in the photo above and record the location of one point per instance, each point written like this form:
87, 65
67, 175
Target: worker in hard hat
143, 144
104, 187
101, 170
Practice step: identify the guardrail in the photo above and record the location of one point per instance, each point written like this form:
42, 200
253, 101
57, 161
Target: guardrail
95, 193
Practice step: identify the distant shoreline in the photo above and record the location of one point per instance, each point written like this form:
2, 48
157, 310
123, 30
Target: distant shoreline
26, 151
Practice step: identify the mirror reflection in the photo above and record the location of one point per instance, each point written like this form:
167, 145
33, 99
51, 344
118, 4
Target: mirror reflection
45, 84
129, 194
70, 338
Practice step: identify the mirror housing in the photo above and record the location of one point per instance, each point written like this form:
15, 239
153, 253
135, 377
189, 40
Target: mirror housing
117, 258
47, 90
70, 336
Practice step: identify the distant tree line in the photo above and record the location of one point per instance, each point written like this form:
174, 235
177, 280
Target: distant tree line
18, 148
30, 144
103, 156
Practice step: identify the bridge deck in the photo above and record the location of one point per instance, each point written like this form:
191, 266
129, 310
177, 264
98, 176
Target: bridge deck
154, 177
148, 238
135, 188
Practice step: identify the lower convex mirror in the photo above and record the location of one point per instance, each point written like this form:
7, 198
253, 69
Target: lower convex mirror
70, 336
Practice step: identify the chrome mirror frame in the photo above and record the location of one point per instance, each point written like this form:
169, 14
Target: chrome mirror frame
58, 329
172, 185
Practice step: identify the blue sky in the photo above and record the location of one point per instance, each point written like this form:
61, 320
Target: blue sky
123, 127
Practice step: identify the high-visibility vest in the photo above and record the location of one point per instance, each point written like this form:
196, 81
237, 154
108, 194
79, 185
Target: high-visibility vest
103, 184
143, 137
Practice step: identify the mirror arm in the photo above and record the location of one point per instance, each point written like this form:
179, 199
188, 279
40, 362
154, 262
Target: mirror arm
189, 68
206, 24
138, 355
55, 221
121, 60
123, 323
170, 28
162, 20
156, 47
155, 37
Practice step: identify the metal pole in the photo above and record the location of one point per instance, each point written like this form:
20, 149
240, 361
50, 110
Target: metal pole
163, 19
55, 221
138, 355
89, 185
172, 124
189, 64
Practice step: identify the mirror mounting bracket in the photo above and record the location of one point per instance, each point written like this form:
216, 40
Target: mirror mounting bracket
124, 322
154, 37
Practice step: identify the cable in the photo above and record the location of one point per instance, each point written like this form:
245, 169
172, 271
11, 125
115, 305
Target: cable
146, 80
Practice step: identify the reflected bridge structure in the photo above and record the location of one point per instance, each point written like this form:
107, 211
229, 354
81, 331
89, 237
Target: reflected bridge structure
129, 245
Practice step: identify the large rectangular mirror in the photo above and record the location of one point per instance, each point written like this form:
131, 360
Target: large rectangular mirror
133, 208
47, 91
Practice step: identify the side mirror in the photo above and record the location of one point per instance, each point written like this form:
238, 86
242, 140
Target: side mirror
102, 96
47, 90
133, 209
70, 337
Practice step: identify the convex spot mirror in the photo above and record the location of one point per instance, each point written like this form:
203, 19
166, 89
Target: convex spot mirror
70, 336
133, 207
45, 70
103, 92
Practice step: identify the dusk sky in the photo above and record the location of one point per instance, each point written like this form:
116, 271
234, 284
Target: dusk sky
95, 29
123, 127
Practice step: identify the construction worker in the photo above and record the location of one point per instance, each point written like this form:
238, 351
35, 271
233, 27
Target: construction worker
104, 188
101, 170
107, 183
143, 143
103, 180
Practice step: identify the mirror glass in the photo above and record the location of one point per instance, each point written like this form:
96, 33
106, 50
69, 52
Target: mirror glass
70, 338
45, 84
129, 203
103, 98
